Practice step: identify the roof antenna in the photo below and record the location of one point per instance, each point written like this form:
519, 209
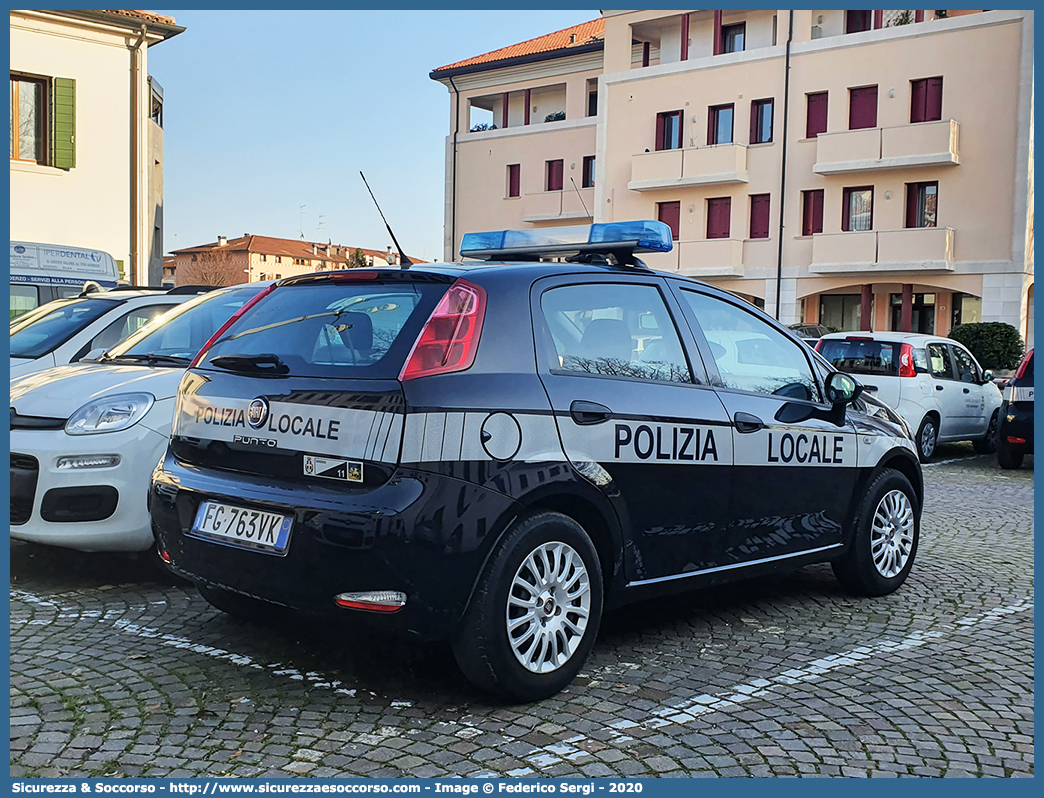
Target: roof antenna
404, 262
581, 196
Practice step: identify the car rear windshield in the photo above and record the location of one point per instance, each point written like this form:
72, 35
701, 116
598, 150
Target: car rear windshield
361, 330
861, 356
45, 333
184, 330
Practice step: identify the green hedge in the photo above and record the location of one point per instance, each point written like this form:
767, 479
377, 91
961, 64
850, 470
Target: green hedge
995, 344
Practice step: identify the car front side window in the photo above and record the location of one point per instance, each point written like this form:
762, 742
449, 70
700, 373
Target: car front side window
939, 362
752, 355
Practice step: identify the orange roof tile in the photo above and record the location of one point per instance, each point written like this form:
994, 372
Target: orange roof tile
145, 16
584, 33
288, 247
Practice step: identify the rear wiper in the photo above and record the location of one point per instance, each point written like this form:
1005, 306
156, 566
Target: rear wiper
150, 359
257, 364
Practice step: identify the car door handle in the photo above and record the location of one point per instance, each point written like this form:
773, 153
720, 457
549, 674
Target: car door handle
938, 387
587, 413
745, 422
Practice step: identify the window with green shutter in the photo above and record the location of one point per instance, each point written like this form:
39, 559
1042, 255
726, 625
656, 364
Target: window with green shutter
63, 103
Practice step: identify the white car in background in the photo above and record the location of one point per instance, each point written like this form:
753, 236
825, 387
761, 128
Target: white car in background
933, 383
85, 437
66, 330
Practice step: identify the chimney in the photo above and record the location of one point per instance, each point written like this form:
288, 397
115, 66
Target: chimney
315, 249
222, 241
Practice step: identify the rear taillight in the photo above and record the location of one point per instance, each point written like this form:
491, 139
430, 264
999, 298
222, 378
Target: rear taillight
232, 320
450, 337
1022, 366
906, 364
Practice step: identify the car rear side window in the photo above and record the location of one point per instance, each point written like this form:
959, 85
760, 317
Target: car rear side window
614, 330
360, 330
750, 354
861, 356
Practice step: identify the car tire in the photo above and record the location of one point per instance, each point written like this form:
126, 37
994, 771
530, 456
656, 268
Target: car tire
927, 438
529, 603
884, 539
987, 444
240, 607
1008, 457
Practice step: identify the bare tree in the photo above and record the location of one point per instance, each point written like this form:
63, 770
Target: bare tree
213, 267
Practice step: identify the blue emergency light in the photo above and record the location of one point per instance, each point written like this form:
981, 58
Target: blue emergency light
617, 238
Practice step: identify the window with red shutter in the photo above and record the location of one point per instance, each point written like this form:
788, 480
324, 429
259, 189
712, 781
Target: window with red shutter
926, 100
760, 121
554, 175
670, 214
719, 213
857, 209
811, 212
857, 21
589, 171
816, 119
759, 215
669, 130
513, 180
922, 204
719, 124
862, 108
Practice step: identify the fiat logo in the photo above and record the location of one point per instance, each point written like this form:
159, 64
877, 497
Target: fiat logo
257, 413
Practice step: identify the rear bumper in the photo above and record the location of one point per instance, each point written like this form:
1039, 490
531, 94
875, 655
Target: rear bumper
423, 534
1016, 421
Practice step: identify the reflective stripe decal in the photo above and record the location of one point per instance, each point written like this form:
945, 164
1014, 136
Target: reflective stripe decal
1018, 393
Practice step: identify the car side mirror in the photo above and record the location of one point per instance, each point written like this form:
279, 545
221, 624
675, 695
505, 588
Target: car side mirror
840, 389
94, 354
987, 376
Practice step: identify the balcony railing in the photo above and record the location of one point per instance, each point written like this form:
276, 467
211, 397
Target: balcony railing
547, 206
921, 144
693, 166
913, 249
713, 257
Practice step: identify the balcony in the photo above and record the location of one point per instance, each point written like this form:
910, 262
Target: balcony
928, 249
549, 206
715, 257
693, 166
921, 144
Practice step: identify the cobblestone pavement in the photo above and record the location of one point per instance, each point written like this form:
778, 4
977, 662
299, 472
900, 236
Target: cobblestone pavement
115, 671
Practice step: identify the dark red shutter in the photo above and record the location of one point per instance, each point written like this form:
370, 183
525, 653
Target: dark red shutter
513, 180
759, 216
588, 176
878, 19
846, 205
816, 121
911, 204
670, 214
719, 211
862, 111
918, 16
933, 100
554, 175
812, 212
918, 92
856, 21
712, 125
645, 54
754, 122
660, 122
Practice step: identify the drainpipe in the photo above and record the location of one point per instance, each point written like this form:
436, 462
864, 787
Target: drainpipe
453, 170
137, 206
783, 169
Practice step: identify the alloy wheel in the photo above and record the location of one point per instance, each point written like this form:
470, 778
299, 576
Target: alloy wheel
548, 607
892, 533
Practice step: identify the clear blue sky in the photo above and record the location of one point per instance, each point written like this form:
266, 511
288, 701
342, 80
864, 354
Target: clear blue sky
265, 111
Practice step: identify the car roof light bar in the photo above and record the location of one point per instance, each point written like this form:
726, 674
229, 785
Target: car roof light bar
619, 239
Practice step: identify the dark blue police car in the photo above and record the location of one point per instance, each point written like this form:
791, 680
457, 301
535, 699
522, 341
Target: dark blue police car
496, 452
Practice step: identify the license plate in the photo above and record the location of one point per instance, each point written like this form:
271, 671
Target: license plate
243, 527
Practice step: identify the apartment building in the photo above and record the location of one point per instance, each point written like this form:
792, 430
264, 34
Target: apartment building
864, 169
229, 261
87, 134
